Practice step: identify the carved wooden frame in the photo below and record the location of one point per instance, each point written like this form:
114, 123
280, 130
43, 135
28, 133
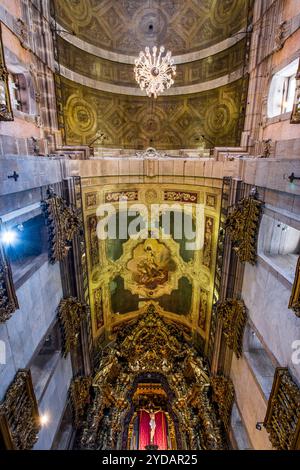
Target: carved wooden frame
22, 383
63, 223
8, 299
6, 113
290, 438
294, 303
295, 116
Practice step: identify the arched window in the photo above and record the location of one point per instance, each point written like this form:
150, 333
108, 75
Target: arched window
282, 90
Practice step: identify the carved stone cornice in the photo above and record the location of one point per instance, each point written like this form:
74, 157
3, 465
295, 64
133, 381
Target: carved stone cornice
294, 303
8, 298
232, 313
223, 395
71, 313
282, 420
19, 417
242, 225
63, 223
80, 398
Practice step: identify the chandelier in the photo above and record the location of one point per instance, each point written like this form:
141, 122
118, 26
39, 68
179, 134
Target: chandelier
154, 72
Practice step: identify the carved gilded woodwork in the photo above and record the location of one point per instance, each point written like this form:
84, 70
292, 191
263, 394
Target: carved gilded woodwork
223, 395
19, 417
294, 303
174, 121
232, 313
242, 226
151, 347
80, 398
8, 299
295, 117
6, 113
63, 223
124, 27
282, 420
71, 313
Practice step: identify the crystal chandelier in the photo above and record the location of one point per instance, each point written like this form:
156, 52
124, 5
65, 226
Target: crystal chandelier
154, 72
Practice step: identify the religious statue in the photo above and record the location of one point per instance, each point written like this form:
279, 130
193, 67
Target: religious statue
152, 424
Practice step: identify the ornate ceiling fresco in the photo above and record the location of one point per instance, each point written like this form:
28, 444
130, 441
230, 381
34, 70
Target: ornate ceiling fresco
127, 275
96, 88
170, 122
127, 26
96, 68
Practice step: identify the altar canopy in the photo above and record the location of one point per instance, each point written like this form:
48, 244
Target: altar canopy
160, 430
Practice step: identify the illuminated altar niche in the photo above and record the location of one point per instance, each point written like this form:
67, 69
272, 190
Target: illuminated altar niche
151, 403
186, 296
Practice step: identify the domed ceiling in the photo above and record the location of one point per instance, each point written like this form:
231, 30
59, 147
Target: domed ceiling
127, 26
96, 87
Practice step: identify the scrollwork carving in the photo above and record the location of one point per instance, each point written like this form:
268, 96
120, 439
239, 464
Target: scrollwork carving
242, 225
232, 313
8, 298
223, 395
19, 417
295, 117
6, 113
294, 303
80, 398
282, 420
63, 223
71, 313
151, 347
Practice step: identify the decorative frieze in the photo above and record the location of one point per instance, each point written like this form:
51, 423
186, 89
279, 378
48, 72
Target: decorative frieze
63, 223
121, 196
180, 196
223, 395
232, 313
294, 303
19, 417
71, 313
80, 398
8, 298
282, 420
242, 225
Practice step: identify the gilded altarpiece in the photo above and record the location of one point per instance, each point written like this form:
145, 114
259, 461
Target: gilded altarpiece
152, 375
126, 274
19, 416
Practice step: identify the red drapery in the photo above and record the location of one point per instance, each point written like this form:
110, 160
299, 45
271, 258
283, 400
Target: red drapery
144, 429
161, 431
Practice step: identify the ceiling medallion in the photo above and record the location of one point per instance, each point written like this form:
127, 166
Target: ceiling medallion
154, 72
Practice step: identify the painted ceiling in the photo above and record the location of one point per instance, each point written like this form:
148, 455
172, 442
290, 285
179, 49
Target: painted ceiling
96, 88
170, 122
127, 26
127, 275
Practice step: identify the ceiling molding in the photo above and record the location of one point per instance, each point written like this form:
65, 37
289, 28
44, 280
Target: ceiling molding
131, 91
128, 59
